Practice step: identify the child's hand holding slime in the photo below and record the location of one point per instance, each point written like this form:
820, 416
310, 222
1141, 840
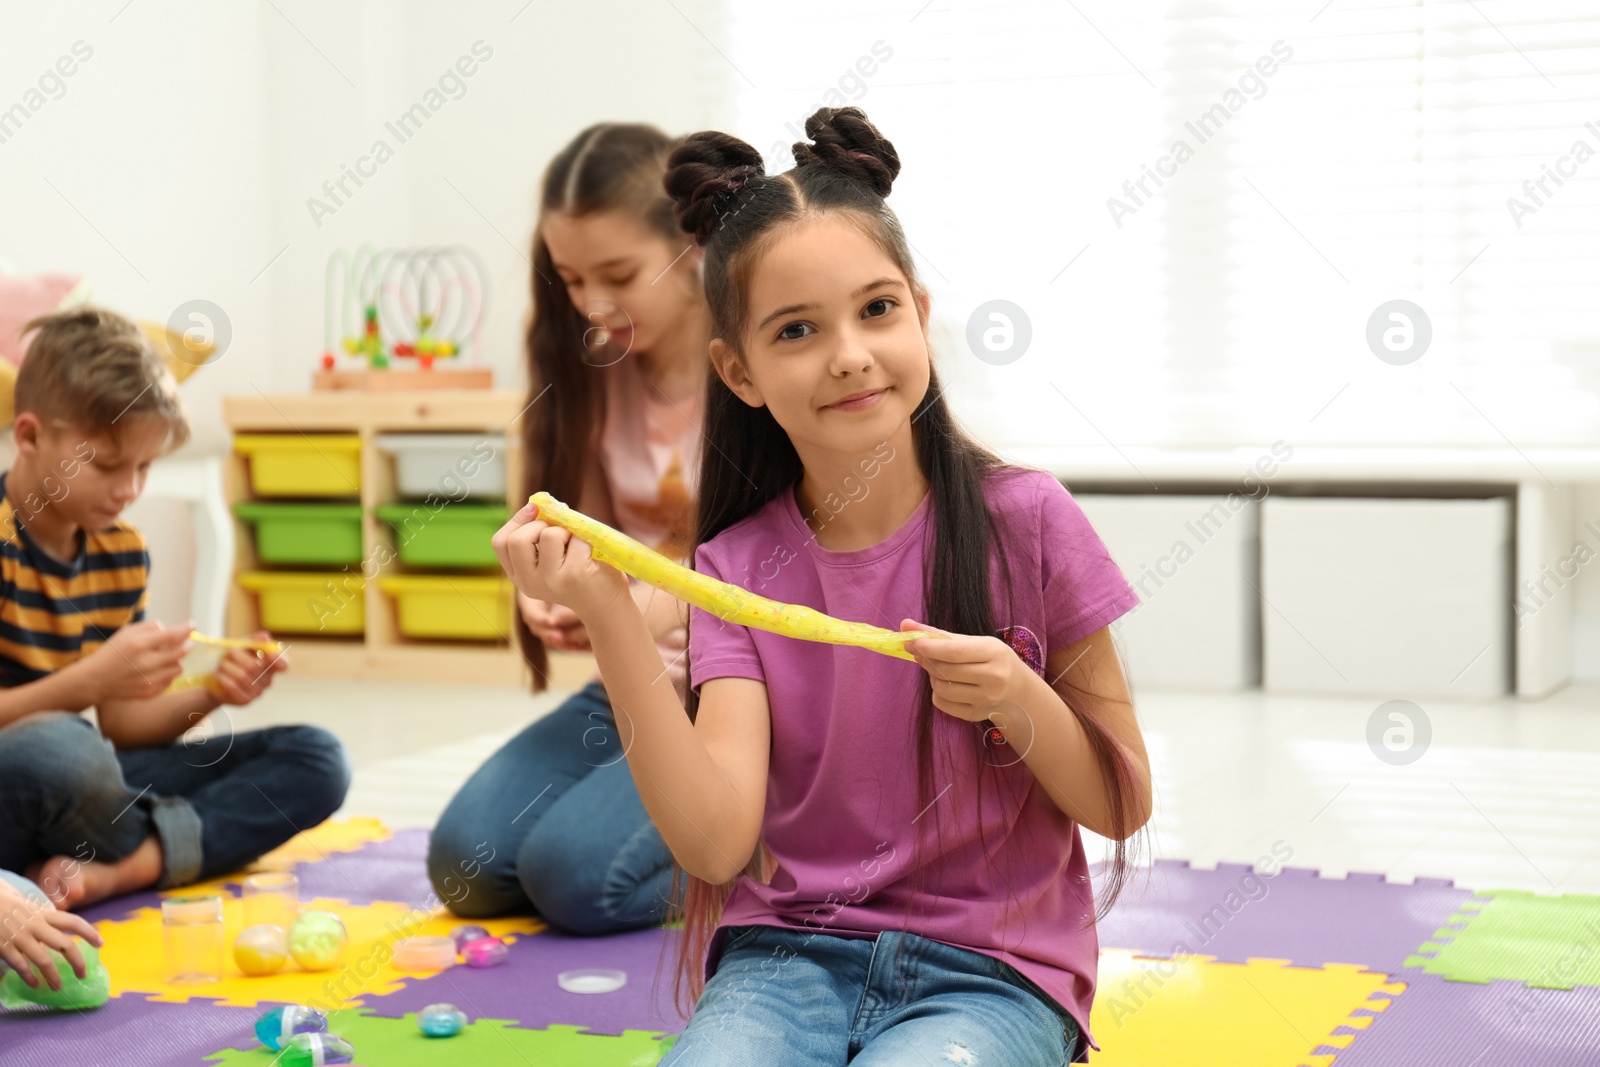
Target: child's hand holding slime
550, 566
721, 599
239, 679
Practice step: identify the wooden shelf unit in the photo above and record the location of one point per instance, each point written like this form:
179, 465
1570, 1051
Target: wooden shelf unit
381, 652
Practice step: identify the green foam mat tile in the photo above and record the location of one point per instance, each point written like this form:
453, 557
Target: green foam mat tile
380, 1042
1545, 942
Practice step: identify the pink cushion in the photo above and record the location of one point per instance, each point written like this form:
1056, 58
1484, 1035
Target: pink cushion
24, 297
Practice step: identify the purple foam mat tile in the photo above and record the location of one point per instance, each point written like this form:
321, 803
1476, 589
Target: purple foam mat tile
395, 870
125, 1030
1235, 914
118, 908
1439, 1023
524, 988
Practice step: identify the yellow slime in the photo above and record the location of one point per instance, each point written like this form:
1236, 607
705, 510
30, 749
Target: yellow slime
209, 681
726, 601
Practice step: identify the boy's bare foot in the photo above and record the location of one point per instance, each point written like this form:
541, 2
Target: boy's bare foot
73, 883
63, 880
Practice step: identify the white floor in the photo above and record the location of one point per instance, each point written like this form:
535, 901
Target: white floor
1506, 796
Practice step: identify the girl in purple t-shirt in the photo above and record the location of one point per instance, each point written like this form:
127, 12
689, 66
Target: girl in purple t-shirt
882, 857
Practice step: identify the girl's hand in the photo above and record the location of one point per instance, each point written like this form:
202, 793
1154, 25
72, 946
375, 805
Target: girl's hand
973, 677
546, 562
29, 930
555, 624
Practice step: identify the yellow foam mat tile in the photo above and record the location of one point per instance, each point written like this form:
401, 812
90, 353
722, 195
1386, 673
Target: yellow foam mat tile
308, 846
134, 956
1200, 1013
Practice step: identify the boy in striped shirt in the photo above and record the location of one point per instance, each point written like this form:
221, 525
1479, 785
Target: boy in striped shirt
90, 813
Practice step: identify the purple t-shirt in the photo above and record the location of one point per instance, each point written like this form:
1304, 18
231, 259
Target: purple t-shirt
842, 802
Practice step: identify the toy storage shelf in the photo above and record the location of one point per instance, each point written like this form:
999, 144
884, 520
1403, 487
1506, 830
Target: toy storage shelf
308, 421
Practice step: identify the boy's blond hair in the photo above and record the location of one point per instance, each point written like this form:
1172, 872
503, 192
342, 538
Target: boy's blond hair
93, 368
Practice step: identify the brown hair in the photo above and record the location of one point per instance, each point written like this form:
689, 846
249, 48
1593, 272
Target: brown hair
92, 368
609, 165
737, 212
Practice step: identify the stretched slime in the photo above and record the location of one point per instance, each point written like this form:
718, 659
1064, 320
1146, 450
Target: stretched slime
726, 601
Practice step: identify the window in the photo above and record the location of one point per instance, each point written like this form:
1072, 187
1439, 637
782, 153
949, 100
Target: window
1199, 206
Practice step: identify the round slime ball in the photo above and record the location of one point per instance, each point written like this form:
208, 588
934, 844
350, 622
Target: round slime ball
317, 940
278, 1026
441, 1020
315, 1050
261, 949
90, 991
462, 934
485, 952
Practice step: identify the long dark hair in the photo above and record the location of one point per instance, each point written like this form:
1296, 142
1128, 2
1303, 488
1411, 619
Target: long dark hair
609, 165
732, 208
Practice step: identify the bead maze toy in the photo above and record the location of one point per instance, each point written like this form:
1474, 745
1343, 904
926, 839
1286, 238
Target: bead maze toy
728, 602
385, 305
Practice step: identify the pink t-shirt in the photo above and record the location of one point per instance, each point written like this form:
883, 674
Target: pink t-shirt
650, 452
841, 790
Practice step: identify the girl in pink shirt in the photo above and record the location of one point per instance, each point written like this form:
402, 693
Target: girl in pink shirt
552, 822
883, 858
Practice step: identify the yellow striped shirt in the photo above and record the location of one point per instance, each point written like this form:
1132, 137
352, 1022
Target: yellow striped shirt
53, 613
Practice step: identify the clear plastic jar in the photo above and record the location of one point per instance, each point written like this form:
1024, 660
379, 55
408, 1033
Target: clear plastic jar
271, 897
192, 937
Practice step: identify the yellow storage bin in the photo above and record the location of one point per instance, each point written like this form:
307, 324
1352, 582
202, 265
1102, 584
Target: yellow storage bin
305, 602
468, 607
294, 464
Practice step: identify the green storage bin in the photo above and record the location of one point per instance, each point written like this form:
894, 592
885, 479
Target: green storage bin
304, 533
457, 535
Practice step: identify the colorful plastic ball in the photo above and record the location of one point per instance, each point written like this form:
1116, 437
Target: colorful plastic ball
441, 1020
485, 952
327, 361
278, 1026
462, 934
315, 1050
261, 949
317, 940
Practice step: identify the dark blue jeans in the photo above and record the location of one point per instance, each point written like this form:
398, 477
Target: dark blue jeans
553, 822
217, 805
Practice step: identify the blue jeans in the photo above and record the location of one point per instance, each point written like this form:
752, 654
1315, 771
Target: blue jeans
554, 822
215, 805
785, 997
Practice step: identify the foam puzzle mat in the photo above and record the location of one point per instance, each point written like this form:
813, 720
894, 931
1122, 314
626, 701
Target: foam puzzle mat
1199, 967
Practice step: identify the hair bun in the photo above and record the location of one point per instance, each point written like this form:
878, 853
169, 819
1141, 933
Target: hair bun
844, 141
704, 175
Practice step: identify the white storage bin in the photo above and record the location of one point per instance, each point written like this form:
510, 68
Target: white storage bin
1386, 597
1192, 560
447, 464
